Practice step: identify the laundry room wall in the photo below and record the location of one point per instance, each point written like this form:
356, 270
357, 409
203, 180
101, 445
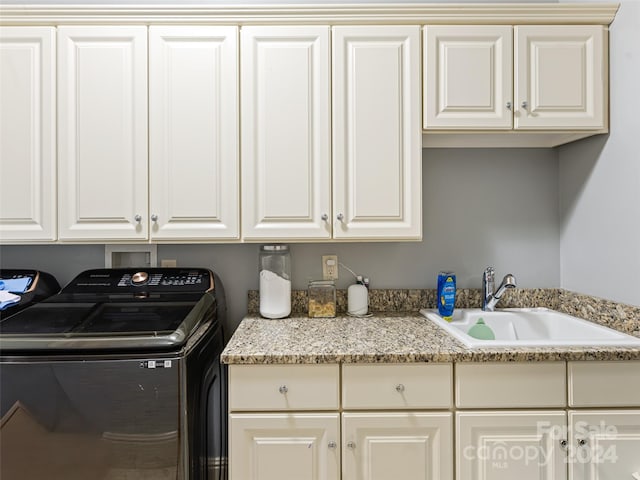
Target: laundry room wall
600, 182
480, 207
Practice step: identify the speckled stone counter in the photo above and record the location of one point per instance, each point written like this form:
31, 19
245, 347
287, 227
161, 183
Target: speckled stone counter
394, 337
382, 338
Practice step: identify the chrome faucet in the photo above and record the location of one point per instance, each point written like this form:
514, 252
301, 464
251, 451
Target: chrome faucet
489, 297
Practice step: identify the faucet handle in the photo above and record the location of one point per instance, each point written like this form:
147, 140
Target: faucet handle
489, 273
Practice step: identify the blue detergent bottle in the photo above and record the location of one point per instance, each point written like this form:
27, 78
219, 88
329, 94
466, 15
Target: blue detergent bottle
446, 294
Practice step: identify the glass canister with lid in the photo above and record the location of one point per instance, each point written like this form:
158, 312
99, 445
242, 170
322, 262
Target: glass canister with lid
322, 299
275, 281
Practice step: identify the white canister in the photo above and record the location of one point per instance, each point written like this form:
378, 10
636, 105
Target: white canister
275, 281
357, 299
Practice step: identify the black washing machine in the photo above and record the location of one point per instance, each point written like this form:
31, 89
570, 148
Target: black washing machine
117, 376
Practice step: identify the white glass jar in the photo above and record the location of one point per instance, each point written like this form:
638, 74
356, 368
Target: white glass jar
275, 281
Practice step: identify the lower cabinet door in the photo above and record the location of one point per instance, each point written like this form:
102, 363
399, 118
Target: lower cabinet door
511, 445
397, 446
604, 445
284, 446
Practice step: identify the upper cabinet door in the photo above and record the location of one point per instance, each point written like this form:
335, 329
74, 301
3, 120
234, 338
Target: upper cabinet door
468, 77
285, 132
27, 134
102, 133
377, 151
560, 77
193, 129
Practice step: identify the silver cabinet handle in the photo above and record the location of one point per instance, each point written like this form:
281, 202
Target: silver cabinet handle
324, 217
351, 445
508, 105
138, 218
332, 444
525, 105
154, 217
283, 389
563, 444
400, 388
340, 217
582, 442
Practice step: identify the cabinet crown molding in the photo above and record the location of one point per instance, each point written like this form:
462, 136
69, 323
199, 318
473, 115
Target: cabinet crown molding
313, 14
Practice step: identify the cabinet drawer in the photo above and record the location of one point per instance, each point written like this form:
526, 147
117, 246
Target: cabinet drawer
511, 385
283, 387
397, 386
604, 384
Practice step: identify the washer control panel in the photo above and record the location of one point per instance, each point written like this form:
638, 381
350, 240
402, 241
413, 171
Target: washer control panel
161, 280
180, 279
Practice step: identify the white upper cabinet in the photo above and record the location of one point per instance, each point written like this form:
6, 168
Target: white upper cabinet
291, 188
467, 77
102, 132
193, 133
560, 77
377, 154
27, 134
558, 73
286, 164
283, 123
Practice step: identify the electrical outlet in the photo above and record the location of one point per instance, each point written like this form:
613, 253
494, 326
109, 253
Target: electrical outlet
330, 267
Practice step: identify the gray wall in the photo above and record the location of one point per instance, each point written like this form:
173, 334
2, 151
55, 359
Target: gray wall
600, 182
481, 207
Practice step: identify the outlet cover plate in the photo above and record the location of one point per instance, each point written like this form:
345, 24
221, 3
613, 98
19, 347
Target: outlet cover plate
330, 267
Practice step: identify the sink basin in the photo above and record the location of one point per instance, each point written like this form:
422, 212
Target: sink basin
530, 327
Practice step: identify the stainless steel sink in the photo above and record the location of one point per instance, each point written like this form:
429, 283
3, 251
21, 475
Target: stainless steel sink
530, 327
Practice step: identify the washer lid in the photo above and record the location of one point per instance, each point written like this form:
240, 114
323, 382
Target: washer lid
118, 324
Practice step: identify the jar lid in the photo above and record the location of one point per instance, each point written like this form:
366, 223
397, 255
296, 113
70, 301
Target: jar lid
275, 248
321, 283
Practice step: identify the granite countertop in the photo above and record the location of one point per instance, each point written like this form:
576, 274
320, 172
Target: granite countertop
382, 338
399, 334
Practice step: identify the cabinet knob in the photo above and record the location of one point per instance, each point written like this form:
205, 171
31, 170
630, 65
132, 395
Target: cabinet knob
340, 217
582, 442
138, 218
400, 388
154, 217
508, 105
525, 105
283, 389
351, 445
563, 444
332, 444
324, 217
